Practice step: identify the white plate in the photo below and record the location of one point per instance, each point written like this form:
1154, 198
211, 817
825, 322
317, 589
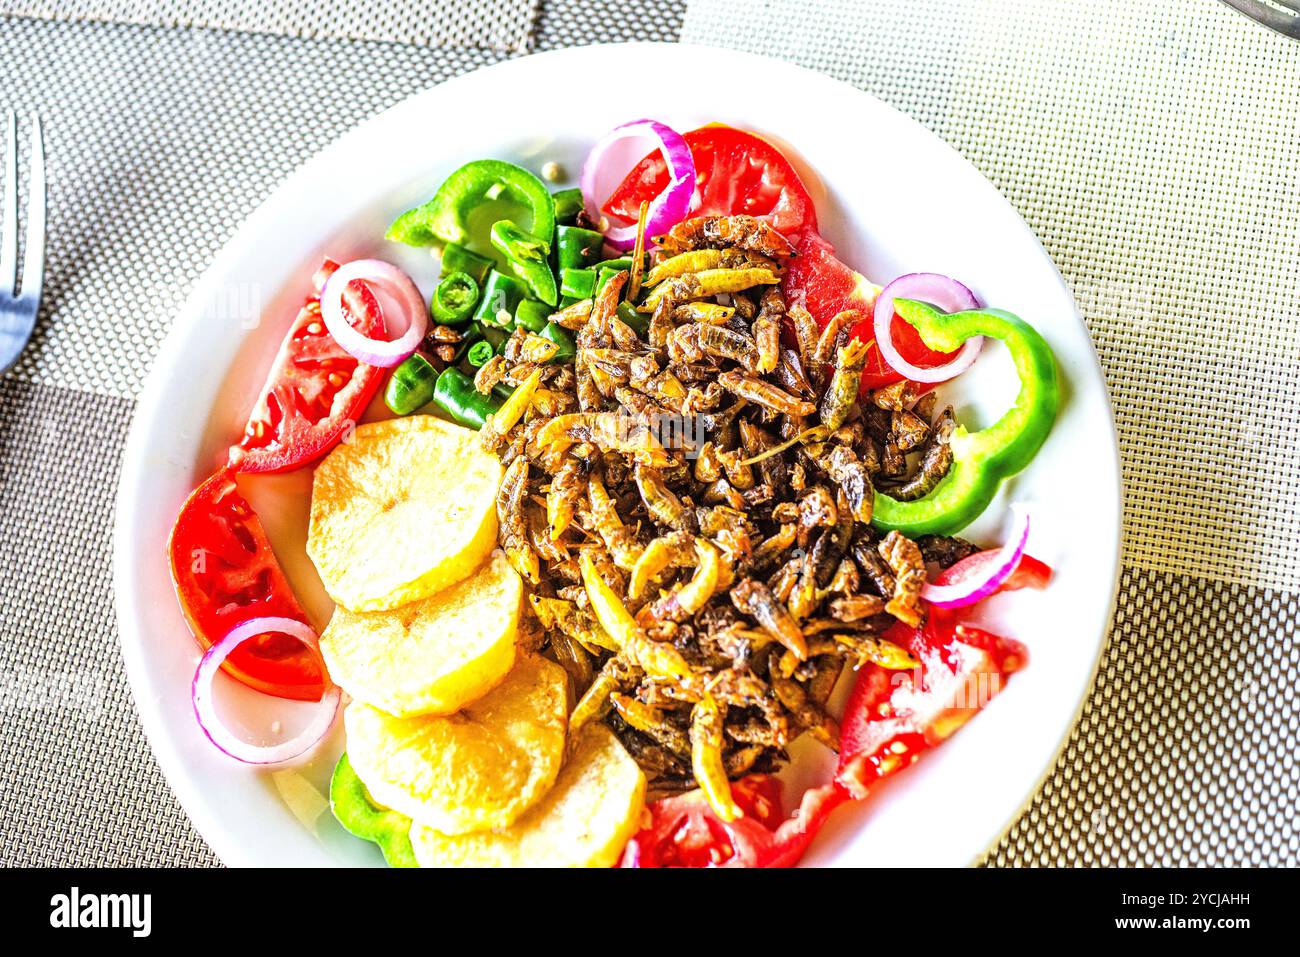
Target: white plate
891, 197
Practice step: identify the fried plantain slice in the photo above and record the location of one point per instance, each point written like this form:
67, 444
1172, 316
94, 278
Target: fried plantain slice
403, 509
433, 656
477, 769
585, 820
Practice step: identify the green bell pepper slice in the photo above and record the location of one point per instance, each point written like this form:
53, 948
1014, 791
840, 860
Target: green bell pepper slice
532, 315
577, 248
527, 255
577, 283
456, 258
455, 395
411, 385
980, 460
454, 299
568, 204
446, 217
362, 817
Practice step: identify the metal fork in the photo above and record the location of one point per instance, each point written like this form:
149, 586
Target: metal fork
18, 308
1280, 15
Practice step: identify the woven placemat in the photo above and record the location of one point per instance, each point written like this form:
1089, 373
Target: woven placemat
1154, 147
491, 24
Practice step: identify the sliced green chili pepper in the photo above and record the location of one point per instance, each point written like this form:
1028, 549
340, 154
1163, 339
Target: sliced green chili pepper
479, 353
578, 283
980, 460
527, 254
497, 337
576, 248
410, 387
455, 394
616, 265
362, 817
562, 338
532, 315
639, 321
446, 218
454, 299
568, 204
456, 258
470, 334
501, 296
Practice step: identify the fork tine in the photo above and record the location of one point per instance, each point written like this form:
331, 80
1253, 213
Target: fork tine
34, 257
9, 229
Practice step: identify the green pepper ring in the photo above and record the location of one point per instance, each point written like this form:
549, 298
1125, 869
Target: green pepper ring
444, 218
454, 299
980, 460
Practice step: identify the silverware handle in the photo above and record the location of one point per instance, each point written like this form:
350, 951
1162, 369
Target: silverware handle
1280, 15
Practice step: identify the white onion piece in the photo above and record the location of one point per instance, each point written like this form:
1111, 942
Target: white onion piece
941, 292
980, 586
400, 304
225, 740
668, 208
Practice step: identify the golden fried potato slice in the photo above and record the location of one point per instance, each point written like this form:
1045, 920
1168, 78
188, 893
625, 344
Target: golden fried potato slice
403, 509
479, 768
585, 820
433, 656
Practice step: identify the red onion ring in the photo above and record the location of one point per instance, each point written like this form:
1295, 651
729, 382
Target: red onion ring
940, 291
668, 208
216, 730
397, 296
978, 587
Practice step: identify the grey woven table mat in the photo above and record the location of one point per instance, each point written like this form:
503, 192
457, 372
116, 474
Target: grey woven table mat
1150, 145
492, 24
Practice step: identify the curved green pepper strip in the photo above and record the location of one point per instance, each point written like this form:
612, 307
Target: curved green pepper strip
445, 218
527, 255
362, 817
568, 204
980, 460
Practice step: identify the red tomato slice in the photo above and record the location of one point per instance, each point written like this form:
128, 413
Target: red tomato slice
735, 172
825, 286
1029, 573
315, 390
684, 831
225, 573
892, 717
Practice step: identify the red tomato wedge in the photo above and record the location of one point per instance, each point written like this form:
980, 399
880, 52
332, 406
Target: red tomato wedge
225, 573
315, 390
735, 173
825, 286
684, 832
892, 717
